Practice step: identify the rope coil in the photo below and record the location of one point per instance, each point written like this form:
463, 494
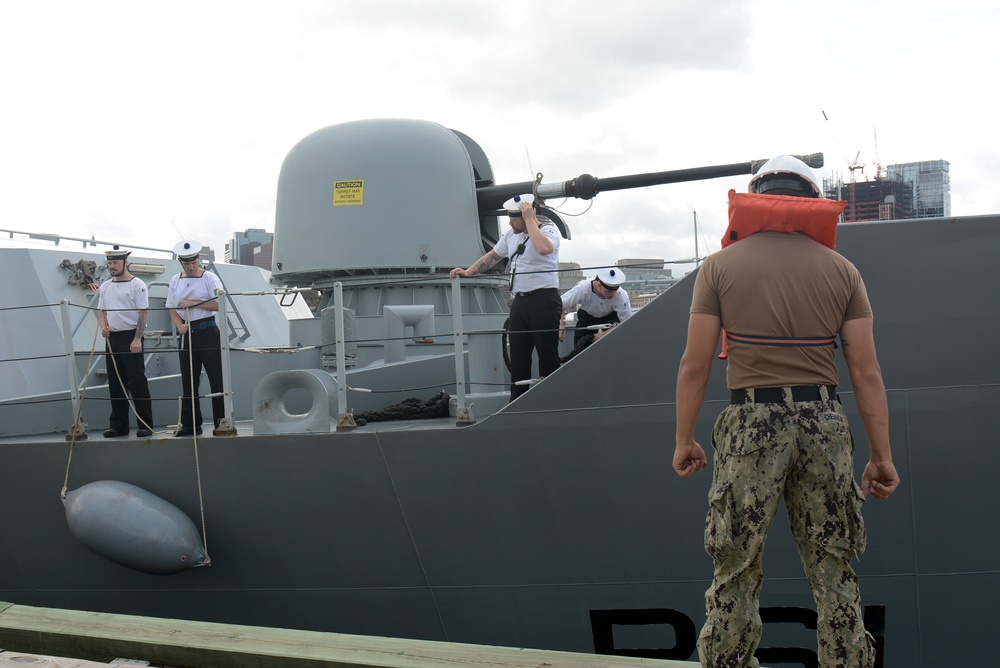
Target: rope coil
408, 409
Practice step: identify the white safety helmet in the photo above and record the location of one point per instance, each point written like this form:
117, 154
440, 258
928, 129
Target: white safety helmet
611, 277
772, 176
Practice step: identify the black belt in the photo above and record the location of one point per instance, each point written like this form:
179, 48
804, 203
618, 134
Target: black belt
531, 292
774, 395
196, 325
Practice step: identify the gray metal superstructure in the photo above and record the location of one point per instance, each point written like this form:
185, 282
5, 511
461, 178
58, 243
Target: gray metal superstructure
552, 522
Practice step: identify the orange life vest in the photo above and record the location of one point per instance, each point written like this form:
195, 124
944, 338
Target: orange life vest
750, 213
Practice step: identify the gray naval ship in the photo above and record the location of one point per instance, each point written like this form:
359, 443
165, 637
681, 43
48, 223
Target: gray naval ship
554, 521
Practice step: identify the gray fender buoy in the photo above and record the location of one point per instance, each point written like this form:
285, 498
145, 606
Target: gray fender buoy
134, 528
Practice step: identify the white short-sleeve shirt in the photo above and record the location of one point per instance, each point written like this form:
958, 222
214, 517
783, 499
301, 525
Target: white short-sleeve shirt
201, 288
532, 271
121, 301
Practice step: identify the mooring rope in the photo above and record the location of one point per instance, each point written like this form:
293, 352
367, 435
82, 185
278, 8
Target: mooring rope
79, 416
408, 409
194, 435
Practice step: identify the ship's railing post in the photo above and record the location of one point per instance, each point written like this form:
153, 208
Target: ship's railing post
463, 415
77, 429
345, 421
227, 426
92, 302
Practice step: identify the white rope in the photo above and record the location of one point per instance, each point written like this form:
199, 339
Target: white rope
79, 414
128, 391
194, 434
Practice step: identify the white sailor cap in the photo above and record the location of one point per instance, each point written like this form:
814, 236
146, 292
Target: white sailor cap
611, 277
187, 249
117, 253
511, 205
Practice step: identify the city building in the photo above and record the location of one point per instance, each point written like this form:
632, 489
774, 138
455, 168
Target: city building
262, 255
931, 182
903, 191
242, 249
569, 275
646, 278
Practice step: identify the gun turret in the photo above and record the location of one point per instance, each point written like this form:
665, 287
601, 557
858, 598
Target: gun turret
387, 197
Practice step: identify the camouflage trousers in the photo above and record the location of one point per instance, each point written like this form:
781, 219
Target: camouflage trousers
802, 452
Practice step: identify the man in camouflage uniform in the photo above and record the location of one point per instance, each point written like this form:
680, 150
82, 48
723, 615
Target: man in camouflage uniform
782, 298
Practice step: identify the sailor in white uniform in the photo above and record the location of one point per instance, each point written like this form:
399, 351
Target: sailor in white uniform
193, 299
124, 305
532, 244
597, 301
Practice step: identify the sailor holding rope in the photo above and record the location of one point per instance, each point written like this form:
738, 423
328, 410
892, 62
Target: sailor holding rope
124, 305
193, 300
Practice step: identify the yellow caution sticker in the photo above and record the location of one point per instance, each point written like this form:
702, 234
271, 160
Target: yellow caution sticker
348, 193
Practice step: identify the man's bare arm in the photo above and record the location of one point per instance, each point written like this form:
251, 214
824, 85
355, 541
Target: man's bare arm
858, 342
692, 381
140, 327
541, 243
479, 266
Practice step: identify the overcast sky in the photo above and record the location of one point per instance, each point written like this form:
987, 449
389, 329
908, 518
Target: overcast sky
147, 122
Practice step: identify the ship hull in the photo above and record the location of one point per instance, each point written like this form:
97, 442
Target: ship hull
558, 522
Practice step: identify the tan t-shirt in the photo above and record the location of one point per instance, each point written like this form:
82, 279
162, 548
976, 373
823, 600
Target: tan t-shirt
785, 286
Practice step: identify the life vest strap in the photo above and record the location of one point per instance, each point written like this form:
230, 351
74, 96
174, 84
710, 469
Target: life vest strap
789, 341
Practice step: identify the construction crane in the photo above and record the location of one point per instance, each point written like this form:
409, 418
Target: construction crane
878, 164
887, 207
850, 214
853, 167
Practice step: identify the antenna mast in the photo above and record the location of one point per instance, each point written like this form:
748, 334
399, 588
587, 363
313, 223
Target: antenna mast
878, 164
697, 256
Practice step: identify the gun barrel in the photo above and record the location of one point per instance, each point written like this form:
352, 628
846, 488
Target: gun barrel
586, 186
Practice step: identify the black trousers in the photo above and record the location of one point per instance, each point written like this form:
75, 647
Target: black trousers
584, 319
534, 325
127, 370
206, 352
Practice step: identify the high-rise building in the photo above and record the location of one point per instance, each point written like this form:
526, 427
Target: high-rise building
263, 255
931, 183
908, 190
241, 249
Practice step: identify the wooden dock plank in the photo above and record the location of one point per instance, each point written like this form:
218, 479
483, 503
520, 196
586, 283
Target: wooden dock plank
103, 637
22, 660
